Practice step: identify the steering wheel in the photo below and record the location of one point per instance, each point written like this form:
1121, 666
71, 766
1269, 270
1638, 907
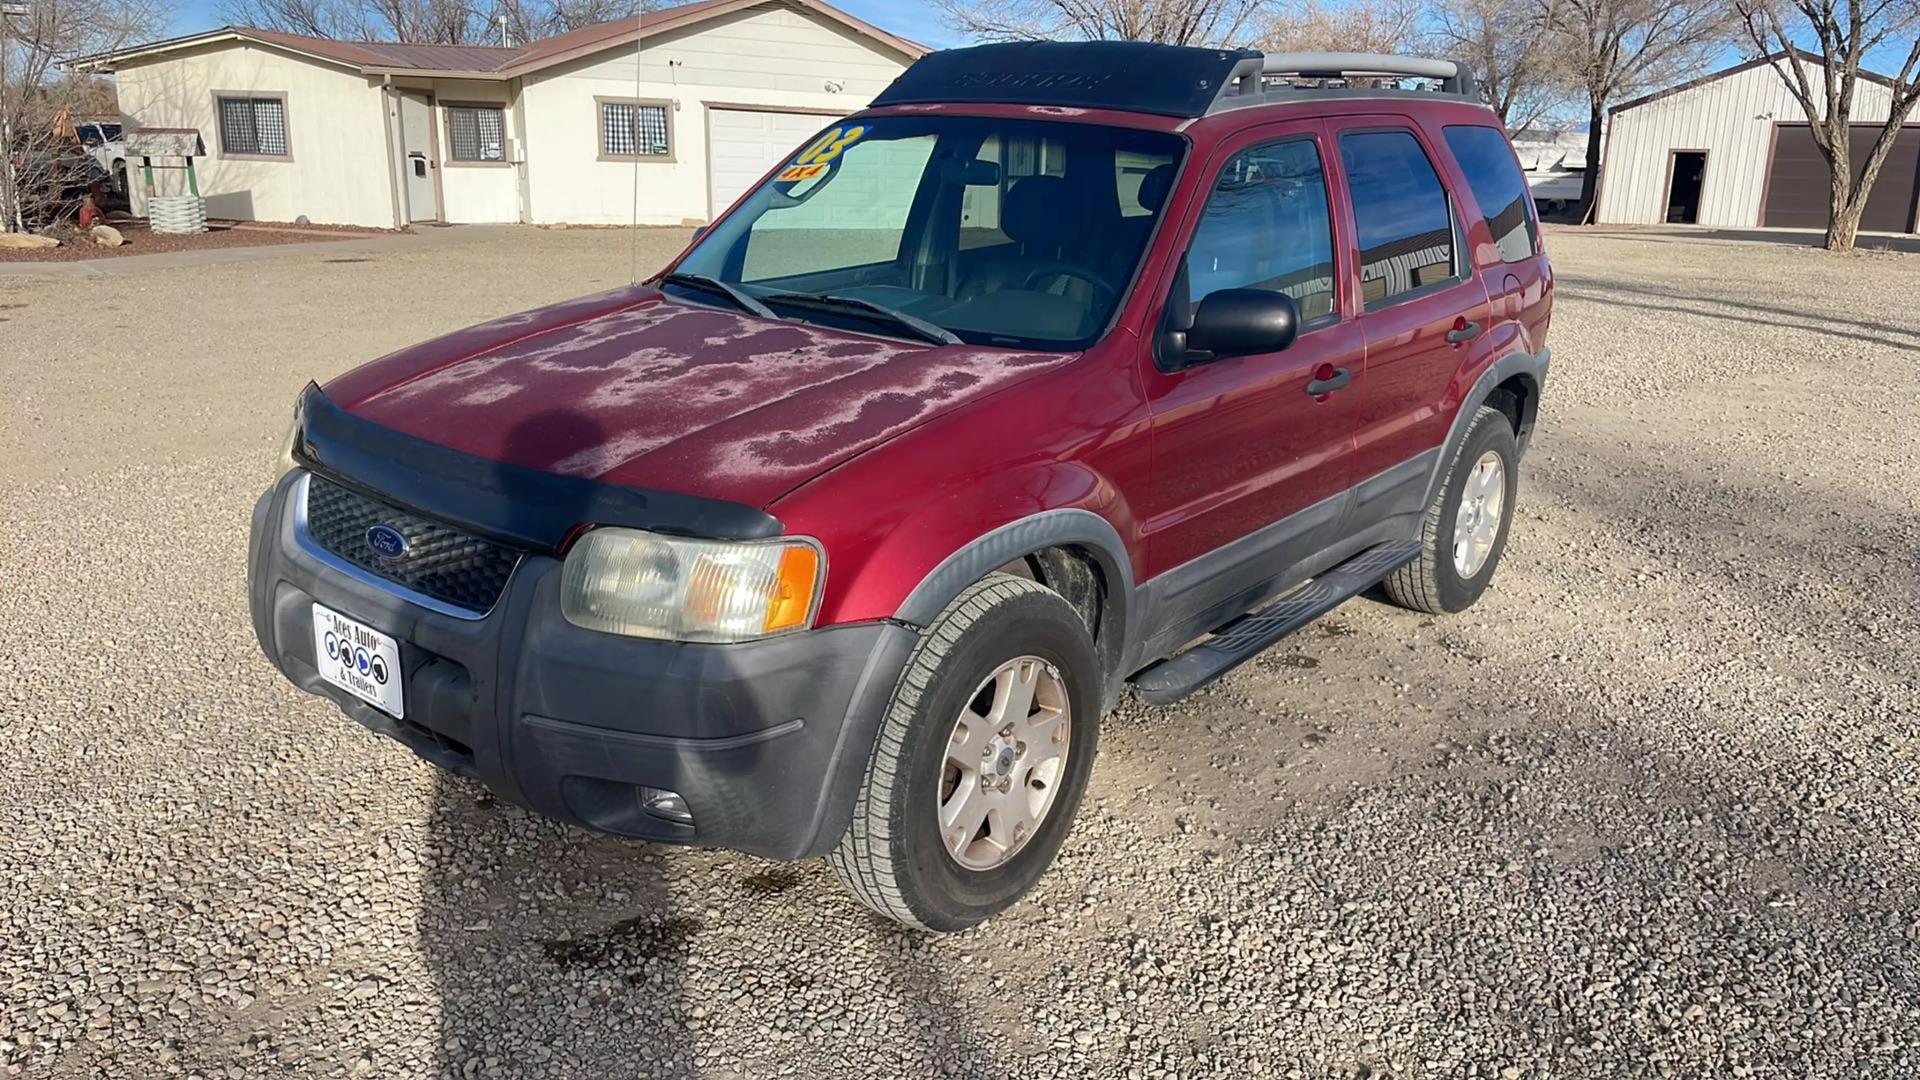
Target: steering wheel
1104, 293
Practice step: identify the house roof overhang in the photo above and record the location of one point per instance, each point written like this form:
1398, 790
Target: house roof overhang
488, 63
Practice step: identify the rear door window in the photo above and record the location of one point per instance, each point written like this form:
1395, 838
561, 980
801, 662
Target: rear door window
1267, 226
1494, 177
1401, 213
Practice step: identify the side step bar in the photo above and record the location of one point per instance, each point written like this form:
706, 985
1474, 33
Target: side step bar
1246, 637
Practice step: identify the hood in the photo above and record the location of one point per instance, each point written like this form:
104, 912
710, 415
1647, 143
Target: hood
632, 388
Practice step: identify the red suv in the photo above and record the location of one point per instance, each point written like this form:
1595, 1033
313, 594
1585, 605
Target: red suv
1062, 369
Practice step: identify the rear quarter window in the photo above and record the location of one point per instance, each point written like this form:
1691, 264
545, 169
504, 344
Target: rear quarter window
1497, 185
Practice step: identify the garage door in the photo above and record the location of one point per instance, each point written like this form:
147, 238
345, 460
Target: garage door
1797, 185
743, 145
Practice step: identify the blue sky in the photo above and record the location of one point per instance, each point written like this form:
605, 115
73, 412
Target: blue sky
909, 18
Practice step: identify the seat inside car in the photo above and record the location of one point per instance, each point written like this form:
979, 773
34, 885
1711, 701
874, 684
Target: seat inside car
1053, 249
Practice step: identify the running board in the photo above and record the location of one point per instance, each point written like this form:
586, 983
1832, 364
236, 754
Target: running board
1248, 636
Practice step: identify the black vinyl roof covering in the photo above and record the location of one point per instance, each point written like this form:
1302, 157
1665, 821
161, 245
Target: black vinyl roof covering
1132, 76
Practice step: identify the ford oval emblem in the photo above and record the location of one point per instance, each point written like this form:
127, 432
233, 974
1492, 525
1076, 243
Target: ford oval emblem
387, 541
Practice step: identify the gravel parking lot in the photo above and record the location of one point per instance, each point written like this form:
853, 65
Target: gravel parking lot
1650, 808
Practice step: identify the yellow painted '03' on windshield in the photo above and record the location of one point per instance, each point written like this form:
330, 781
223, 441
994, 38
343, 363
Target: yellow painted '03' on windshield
829, 146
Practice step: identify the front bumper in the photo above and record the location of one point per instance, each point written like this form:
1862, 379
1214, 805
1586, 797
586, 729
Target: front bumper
767, 742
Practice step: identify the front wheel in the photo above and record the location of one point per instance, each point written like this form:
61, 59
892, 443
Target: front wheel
980, 762
1464, 530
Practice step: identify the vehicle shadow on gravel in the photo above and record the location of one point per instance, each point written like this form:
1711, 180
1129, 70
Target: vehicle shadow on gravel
546, 939
554, 950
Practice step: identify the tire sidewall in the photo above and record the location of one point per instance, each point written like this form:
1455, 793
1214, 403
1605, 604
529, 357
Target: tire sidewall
943, 894
1489, 432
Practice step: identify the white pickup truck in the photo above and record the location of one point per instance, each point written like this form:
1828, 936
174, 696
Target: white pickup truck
104, 142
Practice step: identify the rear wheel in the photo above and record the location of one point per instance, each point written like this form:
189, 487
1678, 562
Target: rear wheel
1464, 531
980, 762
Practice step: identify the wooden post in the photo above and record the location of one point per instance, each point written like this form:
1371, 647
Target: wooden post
193, 183
146, 166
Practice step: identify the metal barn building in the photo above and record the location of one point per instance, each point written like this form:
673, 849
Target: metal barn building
1734, 149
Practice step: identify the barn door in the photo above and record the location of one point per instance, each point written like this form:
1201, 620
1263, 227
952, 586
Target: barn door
1797, 180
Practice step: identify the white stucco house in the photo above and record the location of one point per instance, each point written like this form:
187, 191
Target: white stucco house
691, 104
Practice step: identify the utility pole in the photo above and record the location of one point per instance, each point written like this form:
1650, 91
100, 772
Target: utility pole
8, 10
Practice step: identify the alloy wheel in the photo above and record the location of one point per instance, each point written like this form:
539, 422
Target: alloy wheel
1005, 759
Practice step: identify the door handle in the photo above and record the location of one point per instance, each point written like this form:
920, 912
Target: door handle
1323, 384
1464, 331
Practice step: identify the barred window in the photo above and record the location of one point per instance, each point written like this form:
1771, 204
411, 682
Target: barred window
476, 133
253, 125
634, 129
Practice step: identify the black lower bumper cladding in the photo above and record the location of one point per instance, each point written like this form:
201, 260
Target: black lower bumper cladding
765, 741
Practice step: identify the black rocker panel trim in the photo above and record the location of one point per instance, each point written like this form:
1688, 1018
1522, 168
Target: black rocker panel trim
1246, 637
522, 507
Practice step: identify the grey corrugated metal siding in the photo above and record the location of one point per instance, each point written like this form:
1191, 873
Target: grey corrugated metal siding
1733, 119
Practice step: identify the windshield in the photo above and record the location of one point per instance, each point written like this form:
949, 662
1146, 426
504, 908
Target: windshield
1023, 233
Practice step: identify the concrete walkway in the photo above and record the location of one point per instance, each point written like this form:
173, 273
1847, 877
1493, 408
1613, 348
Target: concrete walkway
388, 243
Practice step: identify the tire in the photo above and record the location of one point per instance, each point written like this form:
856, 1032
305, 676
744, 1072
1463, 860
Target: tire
894, 857
1434, 583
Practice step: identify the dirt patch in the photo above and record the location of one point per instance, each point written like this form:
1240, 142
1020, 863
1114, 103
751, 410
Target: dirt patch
626, 944
769, 882
141, 240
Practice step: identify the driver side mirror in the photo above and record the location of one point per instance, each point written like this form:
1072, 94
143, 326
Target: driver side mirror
1241, 322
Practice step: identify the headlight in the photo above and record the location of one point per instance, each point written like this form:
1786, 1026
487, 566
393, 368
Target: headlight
642, 584
287, 464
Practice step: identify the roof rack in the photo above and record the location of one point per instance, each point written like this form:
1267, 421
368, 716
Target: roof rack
1248, 75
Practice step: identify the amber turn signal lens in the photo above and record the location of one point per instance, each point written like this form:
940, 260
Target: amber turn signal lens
792, 601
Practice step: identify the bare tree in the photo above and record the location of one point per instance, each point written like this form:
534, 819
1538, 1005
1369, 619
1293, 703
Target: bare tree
1371, 26
434, 22
428, 22
42, 160
314, 18
1614, 47
546, 18
1846, 31
1171, 22
1513, 49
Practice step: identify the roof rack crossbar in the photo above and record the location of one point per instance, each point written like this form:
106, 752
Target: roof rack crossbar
1453, 78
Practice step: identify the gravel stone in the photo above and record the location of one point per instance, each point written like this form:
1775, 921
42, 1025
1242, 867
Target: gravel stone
1648, 810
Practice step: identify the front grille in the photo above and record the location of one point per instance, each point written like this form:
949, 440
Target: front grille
439, 561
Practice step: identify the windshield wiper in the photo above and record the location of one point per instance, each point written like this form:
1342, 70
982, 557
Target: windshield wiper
744, 301
919, 327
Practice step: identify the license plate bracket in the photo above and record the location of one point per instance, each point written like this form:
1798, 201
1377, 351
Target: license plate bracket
358, 659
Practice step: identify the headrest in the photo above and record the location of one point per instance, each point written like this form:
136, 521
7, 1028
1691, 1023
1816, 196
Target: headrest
1039, 210
1155, 186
